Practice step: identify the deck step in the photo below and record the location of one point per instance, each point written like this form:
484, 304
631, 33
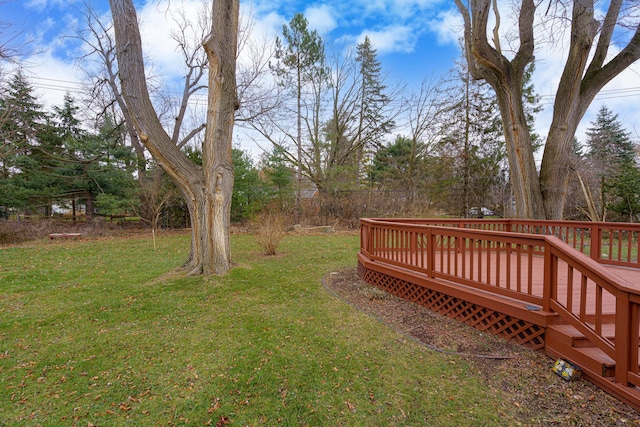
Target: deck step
577, 339
561, 344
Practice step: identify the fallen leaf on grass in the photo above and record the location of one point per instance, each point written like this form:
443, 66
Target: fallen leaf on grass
215, 405
351, 406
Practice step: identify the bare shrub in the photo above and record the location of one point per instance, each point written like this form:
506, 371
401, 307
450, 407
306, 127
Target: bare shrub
270, 228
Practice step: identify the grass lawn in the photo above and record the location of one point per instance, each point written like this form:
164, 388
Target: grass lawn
108, 333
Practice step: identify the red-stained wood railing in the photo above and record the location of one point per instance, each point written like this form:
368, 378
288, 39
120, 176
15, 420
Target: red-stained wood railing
613, 298
610, 243
497, 256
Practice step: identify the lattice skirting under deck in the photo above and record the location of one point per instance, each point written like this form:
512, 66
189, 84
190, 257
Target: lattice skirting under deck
482, 318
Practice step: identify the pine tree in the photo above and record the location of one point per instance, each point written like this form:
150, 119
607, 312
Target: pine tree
300, 56
391, 164
279, 176
531, 104
611, 154
79, 165
474, 143
373, 125
22, 124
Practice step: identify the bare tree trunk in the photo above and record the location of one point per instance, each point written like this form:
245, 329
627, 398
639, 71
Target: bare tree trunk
206, 190
487, 62
298, 202
578, 87
524, 176
581, 81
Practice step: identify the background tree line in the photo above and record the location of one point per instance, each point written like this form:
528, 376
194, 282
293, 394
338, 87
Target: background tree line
342, 142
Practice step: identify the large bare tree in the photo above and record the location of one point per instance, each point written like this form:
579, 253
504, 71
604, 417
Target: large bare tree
589, 66
206, 189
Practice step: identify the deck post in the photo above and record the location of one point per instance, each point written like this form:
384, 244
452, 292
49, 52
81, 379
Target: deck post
413, 245
431, 251
634, 334
623, 338
596, 242
364, 237
549, 277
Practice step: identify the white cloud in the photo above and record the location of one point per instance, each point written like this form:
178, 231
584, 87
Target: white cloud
43, 4
409, 8
268, 25
395, 38
51, 77
321, 18
447, 26
157, 24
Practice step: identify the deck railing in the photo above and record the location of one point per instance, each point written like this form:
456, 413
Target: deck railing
497, 256
610, 243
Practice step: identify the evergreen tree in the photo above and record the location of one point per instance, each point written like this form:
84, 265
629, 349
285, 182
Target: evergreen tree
611, 156
23, 122
390, 167
474, 145
300, 62
95, 168
531, 104
404, 175
373, 125
248, 191
279, 176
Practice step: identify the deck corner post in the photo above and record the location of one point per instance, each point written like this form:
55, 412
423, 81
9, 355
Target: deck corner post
623, 338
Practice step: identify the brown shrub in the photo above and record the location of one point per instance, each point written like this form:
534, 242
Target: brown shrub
270, 228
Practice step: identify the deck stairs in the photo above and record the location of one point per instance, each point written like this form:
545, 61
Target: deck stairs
567, 343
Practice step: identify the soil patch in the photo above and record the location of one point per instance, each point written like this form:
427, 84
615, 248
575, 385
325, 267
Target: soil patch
535, 395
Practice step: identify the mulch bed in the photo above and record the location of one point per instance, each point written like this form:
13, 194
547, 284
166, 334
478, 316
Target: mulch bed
536, 395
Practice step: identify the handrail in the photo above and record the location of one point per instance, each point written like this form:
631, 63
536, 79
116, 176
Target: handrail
611, 243
460, 251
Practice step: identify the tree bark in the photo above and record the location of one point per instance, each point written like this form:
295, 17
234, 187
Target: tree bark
544, 196
206, 190
506, 78
578, 87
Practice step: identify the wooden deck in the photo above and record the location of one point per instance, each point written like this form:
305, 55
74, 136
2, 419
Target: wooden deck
491, 267
555, 287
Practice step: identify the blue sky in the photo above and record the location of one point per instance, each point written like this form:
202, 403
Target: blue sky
406, 33
413, 38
